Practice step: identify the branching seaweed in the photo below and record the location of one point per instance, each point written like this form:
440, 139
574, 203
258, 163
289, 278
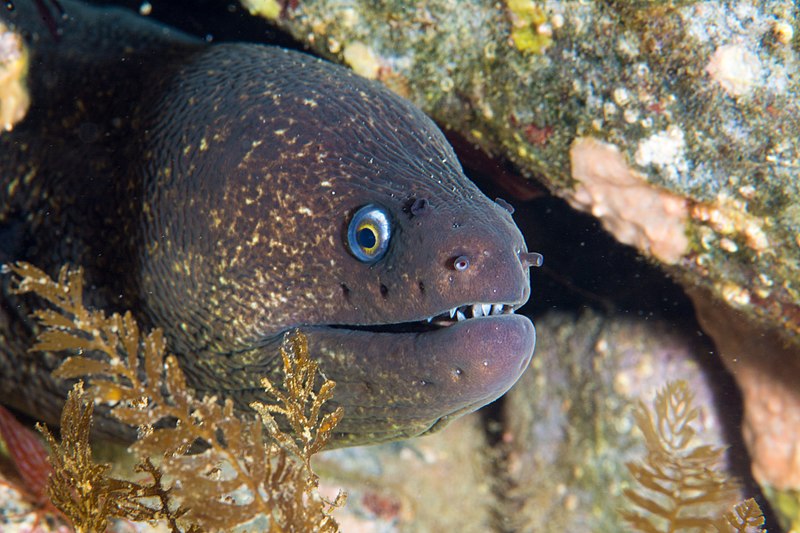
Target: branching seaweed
680, 485
83, 490
249, 467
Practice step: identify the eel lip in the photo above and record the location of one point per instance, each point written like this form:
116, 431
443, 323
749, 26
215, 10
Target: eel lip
486, 356
397, 385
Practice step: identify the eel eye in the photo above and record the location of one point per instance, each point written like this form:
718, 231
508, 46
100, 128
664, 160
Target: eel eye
368, 233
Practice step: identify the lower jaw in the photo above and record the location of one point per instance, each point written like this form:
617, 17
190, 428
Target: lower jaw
397, 385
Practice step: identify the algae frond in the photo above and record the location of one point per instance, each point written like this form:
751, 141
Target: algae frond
679, 485
247, 468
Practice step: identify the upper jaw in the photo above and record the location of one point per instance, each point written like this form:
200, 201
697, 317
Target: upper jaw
443, 319
468, 311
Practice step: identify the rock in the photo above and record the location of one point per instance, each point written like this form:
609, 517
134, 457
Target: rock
768, 373
569, 424
440, 482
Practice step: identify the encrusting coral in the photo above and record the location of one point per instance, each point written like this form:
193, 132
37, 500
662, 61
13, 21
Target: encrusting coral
680, 486
248, 466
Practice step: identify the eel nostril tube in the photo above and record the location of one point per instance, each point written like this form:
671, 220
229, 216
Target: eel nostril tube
531, 259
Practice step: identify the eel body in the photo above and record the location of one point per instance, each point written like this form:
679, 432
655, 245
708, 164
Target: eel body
230, 193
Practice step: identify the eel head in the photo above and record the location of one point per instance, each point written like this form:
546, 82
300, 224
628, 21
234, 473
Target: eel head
283, 192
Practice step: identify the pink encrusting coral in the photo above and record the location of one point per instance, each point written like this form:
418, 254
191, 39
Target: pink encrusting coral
636, 212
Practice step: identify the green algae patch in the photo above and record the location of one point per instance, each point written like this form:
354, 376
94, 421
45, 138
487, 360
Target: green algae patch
530, 29
786, 504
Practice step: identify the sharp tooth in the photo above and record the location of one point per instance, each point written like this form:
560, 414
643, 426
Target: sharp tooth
452, 312
460, 316
487, 309
497, 309
429, 319
476, 310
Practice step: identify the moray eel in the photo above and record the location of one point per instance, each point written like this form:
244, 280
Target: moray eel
229, 193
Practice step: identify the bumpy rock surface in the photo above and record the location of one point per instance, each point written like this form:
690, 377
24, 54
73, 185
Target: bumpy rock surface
569, 424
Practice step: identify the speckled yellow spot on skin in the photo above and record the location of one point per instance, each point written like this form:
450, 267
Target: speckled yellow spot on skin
12, 187
269, 9
14, 98
362, 59
637, 213
447, 84
216, 220
203, 145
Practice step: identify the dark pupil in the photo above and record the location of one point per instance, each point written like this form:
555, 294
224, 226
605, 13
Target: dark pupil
366, 238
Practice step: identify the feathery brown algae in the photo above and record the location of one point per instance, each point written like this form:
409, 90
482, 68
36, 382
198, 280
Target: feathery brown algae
230, 193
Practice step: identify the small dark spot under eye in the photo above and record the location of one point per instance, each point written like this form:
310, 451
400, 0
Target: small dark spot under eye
415, 207
346, 291
422, 287
384, 290
419, 206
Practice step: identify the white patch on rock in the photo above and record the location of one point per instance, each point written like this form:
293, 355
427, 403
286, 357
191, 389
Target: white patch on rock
636, 212
735, 68
665, 150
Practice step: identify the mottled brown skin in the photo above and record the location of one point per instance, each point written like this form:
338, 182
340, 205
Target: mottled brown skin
209, 189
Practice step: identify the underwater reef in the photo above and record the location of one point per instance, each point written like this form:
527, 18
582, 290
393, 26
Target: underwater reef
674, 123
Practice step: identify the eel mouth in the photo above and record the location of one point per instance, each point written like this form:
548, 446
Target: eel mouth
441, 320
406, 379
